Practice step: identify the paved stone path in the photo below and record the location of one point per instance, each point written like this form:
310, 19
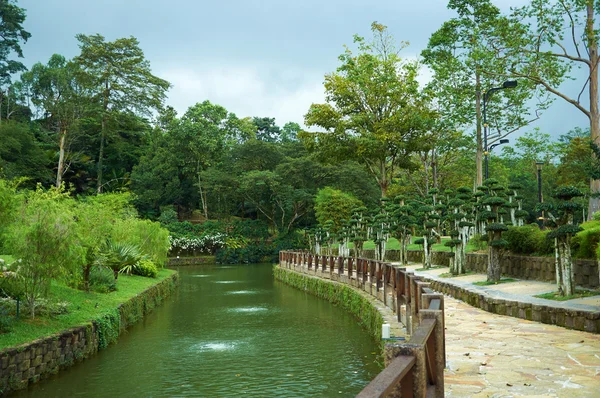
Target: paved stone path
490, 355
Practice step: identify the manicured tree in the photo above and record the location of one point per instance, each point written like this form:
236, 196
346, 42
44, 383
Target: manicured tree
561, 217
515, 204
344, 239
381, 229
428, 222
461, 227
494, 228
358, 228
404, 222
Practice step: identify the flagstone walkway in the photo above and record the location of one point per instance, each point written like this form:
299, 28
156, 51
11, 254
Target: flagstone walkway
490, 355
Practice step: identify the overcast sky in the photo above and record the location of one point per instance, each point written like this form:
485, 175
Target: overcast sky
254, 57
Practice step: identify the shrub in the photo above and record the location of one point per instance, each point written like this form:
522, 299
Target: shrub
585, 243
145, 268
527, 239
479, 241
102, 279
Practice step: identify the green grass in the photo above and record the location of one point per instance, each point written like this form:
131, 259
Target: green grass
393, 244
579, 293
449, 275
488, 283
7, 258
432, 267
83, 308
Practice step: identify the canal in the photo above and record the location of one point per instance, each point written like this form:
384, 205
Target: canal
229, 331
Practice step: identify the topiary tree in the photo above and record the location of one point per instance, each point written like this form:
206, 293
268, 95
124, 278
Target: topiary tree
403, 222
460, 232
494, 228
429, 222
381, 228
358, 229
562, 220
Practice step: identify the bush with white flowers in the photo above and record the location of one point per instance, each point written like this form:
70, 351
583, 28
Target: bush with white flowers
207, 243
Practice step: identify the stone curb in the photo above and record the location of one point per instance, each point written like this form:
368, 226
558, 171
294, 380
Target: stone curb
567, 316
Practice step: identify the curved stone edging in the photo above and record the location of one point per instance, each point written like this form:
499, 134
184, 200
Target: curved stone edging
182, 261
31, 362
371, 312
588, 321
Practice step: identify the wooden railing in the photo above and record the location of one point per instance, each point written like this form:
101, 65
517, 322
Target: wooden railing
415, 368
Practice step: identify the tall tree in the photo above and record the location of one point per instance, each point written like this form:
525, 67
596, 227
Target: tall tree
375, 112
465, 69
543, 42
11, 36
55, 91
121, 79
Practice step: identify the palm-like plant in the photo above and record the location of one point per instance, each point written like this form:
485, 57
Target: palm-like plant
120, 257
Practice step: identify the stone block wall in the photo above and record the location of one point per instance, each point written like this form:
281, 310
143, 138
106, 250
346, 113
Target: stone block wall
588, 321
536, 268
31, 362
180, 261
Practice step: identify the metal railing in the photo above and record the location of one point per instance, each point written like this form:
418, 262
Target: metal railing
416, 367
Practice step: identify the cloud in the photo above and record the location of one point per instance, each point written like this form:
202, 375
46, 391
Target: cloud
284, 94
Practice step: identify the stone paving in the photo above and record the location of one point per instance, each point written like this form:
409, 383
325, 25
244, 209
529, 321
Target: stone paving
490, 355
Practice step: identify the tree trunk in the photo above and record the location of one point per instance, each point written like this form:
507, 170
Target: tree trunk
594, 202
479, 155
568, 271
61, 157
100, 156
494, 271
426, 253
558, 265
86, 277
202, 198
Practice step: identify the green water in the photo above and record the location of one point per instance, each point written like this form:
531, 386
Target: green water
229, 331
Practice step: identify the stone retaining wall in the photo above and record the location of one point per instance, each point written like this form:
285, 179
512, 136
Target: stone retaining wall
180, 261
588, 321
522, 267
370, 311
537, 268
28, 363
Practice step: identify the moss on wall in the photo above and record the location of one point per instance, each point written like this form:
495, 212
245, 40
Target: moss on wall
357, 303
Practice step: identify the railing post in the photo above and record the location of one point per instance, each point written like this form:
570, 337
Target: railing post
350, 268
434, 348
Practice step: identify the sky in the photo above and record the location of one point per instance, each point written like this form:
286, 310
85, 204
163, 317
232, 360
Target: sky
263, 58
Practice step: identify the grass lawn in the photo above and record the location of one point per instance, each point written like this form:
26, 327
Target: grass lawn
579, 293
449, 275
7, 258
393, 244
83, 308
432, 267
486, 283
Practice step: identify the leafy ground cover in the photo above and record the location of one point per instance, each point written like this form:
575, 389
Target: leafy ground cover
579, 293
488, 283
81, 307
7, 258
